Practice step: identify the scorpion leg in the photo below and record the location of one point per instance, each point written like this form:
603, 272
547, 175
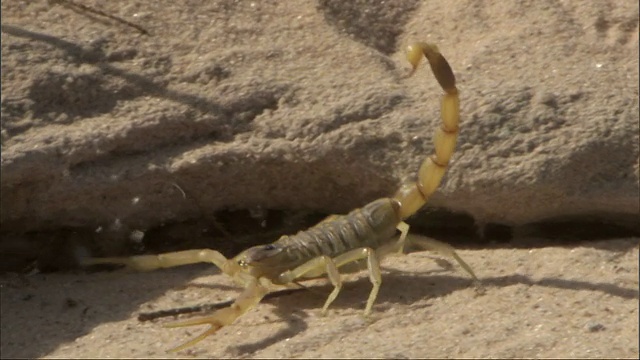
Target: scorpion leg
251, 296
171, 259
444, 249
330, 266
430, 245
403, 227
318, 265
373, 265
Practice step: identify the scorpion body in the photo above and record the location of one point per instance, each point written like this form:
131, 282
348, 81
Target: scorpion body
339, 244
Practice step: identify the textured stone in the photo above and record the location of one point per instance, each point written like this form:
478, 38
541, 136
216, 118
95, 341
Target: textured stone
274, 105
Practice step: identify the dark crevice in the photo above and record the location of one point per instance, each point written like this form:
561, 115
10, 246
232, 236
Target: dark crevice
231, 231
578, 228
462, 231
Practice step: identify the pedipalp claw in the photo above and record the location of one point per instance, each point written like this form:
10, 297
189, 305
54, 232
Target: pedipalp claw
212, 329
212, 321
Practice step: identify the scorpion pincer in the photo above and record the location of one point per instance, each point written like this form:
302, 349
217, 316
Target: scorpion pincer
340, 243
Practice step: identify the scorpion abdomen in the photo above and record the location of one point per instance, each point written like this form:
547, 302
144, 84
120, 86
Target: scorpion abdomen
370, 226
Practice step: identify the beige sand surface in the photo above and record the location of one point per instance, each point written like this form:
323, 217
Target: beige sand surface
578, 301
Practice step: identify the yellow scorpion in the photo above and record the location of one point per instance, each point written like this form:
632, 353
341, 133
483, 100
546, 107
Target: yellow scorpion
340, 243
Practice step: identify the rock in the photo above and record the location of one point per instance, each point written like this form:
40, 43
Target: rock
245, 105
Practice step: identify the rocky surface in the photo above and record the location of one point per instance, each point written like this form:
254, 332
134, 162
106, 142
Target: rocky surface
305, 106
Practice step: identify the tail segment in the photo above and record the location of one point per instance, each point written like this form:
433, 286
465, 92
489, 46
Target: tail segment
413, 196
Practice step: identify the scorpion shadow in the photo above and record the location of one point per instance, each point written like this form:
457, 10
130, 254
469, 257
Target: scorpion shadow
423, 285
295, 324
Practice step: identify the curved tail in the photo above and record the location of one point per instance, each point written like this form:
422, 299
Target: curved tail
413, 196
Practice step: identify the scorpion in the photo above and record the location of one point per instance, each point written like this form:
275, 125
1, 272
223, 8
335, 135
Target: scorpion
340, 243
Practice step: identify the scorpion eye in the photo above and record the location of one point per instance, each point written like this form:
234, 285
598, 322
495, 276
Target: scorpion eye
269, 247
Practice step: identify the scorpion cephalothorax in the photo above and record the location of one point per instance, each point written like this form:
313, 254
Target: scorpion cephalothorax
340, 243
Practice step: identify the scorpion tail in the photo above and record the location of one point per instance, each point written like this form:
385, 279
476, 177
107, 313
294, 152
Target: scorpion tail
413, 196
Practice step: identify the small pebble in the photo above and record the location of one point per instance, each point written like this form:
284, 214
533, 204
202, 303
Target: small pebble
594, 326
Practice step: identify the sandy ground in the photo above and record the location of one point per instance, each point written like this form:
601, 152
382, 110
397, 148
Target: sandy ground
577, 301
